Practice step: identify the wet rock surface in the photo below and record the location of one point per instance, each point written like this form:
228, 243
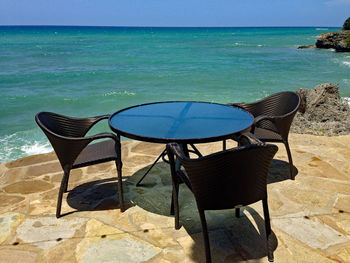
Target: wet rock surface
322, 111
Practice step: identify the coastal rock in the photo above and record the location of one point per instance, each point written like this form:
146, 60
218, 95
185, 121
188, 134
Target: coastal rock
339, 40
322, 111
306, 47
344, 45
346, 25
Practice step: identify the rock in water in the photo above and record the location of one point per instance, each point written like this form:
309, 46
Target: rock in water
322, 111
339, 40
306, 47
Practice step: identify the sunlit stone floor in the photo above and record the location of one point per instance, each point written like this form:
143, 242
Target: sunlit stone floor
310, 216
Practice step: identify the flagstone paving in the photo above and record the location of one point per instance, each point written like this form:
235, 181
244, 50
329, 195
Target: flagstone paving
310, 216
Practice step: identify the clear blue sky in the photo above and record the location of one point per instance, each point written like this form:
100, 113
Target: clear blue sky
175, 12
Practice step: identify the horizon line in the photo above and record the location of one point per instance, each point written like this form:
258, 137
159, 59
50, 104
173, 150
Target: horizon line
167, 26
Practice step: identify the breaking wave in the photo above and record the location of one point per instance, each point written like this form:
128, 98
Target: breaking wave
20, 145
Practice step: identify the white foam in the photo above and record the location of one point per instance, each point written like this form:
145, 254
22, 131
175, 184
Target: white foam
21, 144
346, 63
347, 100
36, 148
125, 92
321, 28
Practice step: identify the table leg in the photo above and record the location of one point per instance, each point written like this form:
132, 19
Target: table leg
149, 169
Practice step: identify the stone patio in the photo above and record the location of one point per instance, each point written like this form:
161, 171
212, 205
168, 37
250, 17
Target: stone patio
310, 216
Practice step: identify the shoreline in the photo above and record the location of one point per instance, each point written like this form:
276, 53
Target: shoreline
127, 141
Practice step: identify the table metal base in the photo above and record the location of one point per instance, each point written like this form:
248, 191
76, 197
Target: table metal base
164, 153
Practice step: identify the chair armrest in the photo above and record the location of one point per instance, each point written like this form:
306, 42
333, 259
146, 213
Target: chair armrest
238, 105
264, 118
91, 138
102, 117
174, 148
104, 135
248, 138
96, 119
87, 123
178, 176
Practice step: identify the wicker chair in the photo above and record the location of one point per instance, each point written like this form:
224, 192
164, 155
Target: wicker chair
228, 179
273, 118
67, 137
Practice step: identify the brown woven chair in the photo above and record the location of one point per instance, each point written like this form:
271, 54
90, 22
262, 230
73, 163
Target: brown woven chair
228, 179
67, 137
273, 118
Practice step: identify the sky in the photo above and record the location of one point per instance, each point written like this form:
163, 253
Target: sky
204, 13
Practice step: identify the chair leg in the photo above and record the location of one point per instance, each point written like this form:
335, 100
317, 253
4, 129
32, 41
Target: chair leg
66, 184
63, 186
195, 150
237, 210
118, 164
205, 236
174, 209
268, 230
224, 145
291, 167
175, 205
172, 203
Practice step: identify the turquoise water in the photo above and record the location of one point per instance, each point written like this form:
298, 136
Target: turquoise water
87, 71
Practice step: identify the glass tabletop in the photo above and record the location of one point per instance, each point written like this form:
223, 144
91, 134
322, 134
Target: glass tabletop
180, 121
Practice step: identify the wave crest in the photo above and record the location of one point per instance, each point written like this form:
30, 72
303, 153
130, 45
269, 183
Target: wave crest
346, 63
125, 92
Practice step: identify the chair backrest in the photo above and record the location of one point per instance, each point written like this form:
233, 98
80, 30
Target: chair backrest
278, 104
230, 178
63, 125
61, 131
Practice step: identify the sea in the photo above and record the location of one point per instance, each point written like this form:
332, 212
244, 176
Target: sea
89, 71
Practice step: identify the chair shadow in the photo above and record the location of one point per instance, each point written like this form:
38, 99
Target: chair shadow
94, 195
232, 239
103, 194
279, 171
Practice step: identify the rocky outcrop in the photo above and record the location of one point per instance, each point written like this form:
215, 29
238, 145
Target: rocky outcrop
306, 47
322, 111
346, 25
339, 40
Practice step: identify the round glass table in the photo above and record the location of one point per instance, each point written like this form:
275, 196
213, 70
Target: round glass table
180, 121
183, 122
